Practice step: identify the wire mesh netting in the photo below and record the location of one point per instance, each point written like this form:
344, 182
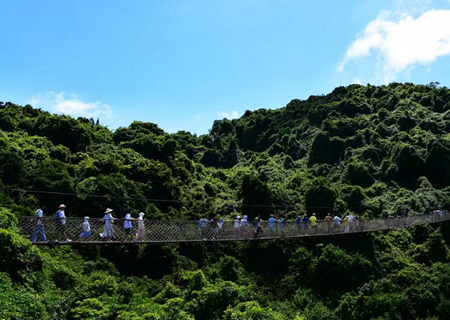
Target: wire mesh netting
70, 230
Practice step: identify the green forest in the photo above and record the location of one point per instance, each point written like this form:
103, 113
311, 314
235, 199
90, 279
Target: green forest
368, 150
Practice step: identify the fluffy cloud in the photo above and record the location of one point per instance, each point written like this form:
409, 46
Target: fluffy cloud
228, 115
71, 105
401, 42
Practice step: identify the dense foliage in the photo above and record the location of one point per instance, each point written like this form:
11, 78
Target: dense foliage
364, 149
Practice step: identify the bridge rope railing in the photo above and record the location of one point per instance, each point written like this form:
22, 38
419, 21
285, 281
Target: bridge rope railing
158, 231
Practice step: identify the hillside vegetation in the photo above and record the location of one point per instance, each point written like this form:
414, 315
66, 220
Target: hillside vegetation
369, 150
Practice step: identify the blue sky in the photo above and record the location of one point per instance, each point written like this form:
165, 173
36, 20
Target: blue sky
183, 64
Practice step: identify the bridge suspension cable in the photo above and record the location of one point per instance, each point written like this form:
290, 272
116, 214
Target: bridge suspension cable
274, 206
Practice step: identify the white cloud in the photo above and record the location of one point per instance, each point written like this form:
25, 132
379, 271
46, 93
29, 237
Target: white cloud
401, 42
228, 115
356, 81
72, 105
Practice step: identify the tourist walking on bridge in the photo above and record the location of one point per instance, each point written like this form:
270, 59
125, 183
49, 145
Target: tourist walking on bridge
141, 227
337, 223
351, 222
86, 234
127, 225
305, 221
257, 226
298, 223
60, 222
237, 227
213, 229
328, 220
244, 221
313, 221
245, 226
271, 223
346, 225
39, 229
202, 223
220, 223
108, 231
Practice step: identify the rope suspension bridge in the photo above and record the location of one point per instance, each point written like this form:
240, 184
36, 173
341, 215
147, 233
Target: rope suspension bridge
52, 232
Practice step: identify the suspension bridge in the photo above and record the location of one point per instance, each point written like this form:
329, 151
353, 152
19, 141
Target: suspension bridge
156, 231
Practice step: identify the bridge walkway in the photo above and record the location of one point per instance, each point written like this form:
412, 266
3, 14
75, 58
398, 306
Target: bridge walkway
179, 231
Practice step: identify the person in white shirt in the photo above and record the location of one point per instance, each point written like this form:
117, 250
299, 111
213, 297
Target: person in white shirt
141, 227
61, 223
351, 220
237, 227
86, 234
39, 229
336, 223
108, 231
244, 224
128, 226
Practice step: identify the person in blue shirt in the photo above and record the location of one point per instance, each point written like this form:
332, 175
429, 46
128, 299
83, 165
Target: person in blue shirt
128, 226
298, 223
202, 223
305, 221
244, 221
39, 229
271, 223
86, 234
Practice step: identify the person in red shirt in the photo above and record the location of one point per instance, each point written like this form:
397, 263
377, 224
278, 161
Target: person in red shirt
328, 220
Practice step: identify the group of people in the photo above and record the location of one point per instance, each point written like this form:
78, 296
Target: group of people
210, 229
108, 231
331, 224
60, 223
438, 215
243, 228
